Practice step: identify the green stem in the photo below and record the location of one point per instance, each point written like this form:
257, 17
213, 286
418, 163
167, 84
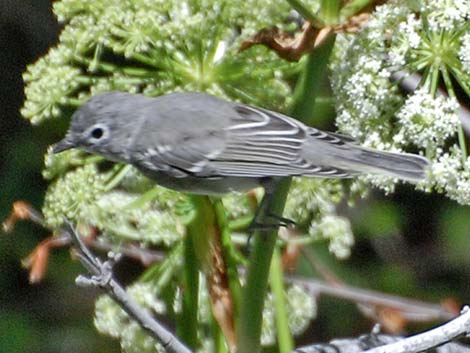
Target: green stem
111, 68
143, 199
117, 178
425, 78
85, 80
198, 228
353, 8
189, 323
309, 84
329, 11
434, 80
284, 337
96, 58
230, 255
254, 292
459, 77
463, 145
241, 224
298, 6
160, 274
461, 133
146, 60
196, 257
209, 231
218, 337
85, 160
74, 102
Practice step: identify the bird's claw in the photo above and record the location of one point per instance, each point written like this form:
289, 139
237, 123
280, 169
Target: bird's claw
270, 222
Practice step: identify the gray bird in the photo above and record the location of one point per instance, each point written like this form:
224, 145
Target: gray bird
200, 144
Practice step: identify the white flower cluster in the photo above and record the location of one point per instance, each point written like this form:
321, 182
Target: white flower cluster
311, 203
464, 53
237, 205
83, 195
73, 196
309, 197
338, 231
407, 37
301, 309
456, 185
148, 223
61, 81
163, 46
111, 320
427, 121
445, 15
55, 165
427, 37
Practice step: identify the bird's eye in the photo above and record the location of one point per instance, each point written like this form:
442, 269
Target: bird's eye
97, 133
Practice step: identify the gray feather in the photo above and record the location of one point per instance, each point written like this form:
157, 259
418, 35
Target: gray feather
350, 156
198, 143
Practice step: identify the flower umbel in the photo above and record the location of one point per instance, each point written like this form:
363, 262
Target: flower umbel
424, 37
73, 195
164, 46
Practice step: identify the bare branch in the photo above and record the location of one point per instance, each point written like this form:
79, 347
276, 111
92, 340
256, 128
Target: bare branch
430, 339
287, 46
413, 310
435, 341
102, 277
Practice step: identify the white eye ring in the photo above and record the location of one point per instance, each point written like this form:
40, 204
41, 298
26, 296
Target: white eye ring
97, 133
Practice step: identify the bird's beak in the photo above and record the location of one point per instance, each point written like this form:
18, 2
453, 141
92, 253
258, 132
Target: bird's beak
62, 145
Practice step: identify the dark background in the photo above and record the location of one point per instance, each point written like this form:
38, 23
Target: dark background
54, 315
408, 243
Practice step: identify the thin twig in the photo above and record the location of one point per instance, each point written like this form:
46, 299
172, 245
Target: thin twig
103, 278
430, 339
375, 342
414, 310
392, 312
145, 256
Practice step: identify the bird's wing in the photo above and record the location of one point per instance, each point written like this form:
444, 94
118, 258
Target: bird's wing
262, 143
254, 143
184, 155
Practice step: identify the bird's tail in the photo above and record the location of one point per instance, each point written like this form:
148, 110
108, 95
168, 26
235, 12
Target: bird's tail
399, 165
344, 153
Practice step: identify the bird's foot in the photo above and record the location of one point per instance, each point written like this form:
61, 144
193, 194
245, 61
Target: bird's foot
270, 222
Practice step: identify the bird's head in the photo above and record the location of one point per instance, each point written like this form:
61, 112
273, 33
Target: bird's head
103, 125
